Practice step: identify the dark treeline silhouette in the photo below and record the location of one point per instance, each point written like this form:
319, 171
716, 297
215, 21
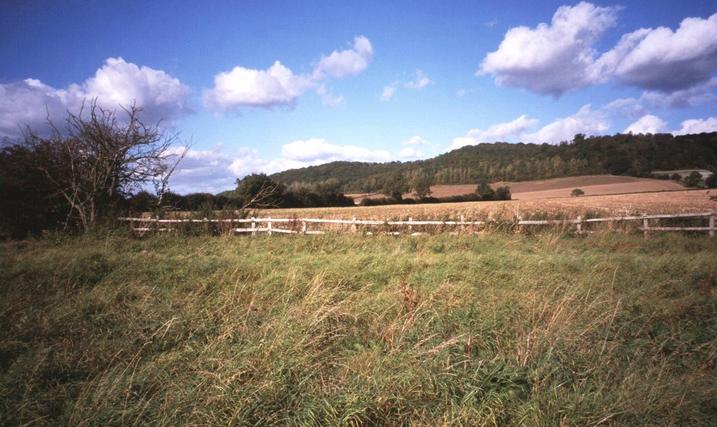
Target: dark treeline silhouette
635, 155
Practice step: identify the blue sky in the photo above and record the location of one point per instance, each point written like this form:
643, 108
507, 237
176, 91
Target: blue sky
367, 81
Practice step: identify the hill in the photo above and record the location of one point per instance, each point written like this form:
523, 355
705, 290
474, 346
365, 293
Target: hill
633, 155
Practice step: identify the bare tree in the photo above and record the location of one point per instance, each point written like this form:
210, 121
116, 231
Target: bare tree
99, 157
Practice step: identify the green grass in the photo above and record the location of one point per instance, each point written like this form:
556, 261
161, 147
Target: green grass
348, 330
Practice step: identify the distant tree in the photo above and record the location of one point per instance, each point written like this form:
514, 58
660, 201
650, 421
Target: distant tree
694, 179
259, 191
676, 177
142, 202
485, 191
395, 185
421, 185
502, 193
577, 192
711, 181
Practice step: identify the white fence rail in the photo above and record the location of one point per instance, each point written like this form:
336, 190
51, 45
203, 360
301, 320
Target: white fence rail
647, 224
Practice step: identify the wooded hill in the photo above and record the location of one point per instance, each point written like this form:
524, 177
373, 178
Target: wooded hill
620, 154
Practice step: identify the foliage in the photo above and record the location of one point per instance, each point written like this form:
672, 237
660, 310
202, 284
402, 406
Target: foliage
83, 171
577, 192
694, 179
711, 181
421, 185
502, 193
485, 191
395, 185
619, 154
348, 330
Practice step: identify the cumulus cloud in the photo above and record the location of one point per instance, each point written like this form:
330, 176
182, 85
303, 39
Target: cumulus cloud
586, 121
217, 169
665, 60
496, 132
117, 83
316, 150
558, 57
647, 124
278, 85
415, 148
328, 98
699, 94
345, 63
245, 87
551, 58
416, 140
411, 153
697, 126
419, 81
388, 93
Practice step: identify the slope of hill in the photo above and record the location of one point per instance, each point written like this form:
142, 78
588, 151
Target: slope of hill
634, 155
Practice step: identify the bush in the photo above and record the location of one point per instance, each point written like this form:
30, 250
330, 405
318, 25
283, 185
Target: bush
577, 192
502, 193
711, 181
694, 179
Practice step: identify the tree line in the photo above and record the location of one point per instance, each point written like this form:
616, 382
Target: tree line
621, 154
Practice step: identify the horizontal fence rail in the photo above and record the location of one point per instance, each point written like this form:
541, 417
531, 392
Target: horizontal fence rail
301, 225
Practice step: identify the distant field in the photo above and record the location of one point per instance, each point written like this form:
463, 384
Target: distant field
664, 202
592, 185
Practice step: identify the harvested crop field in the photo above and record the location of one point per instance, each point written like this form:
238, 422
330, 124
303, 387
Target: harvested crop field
592, 185
658, 202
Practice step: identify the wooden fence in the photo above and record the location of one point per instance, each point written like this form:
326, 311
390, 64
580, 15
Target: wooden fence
646, 223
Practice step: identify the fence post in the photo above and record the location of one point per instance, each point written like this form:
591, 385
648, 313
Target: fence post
303, 227
519, 226
253, 226
353, 225
645, 225
268, 226
579, 225
712, 224
410, 226
463, 226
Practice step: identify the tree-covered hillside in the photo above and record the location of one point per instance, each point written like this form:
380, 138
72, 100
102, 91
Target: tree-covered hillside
618, 154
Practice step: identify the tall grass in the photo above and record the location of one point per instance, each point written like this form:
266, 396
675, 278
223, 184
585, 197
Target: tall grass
350, 330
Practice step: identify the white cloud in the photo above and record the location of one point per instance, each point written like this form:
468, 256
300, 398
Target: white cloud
117, 83
665, 60
551, 58
245, 87
278, 85
647, 124
699, 94
697, 126
585, 121
411, 153
316, 150
345, 63
328, 98
203, 171
416, 140
217, 169
388, 93
557, 57
496, 132
419, 81
415, 148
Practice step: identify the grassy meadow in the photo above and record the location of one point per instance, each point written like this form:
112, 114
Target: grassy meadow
497, 329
